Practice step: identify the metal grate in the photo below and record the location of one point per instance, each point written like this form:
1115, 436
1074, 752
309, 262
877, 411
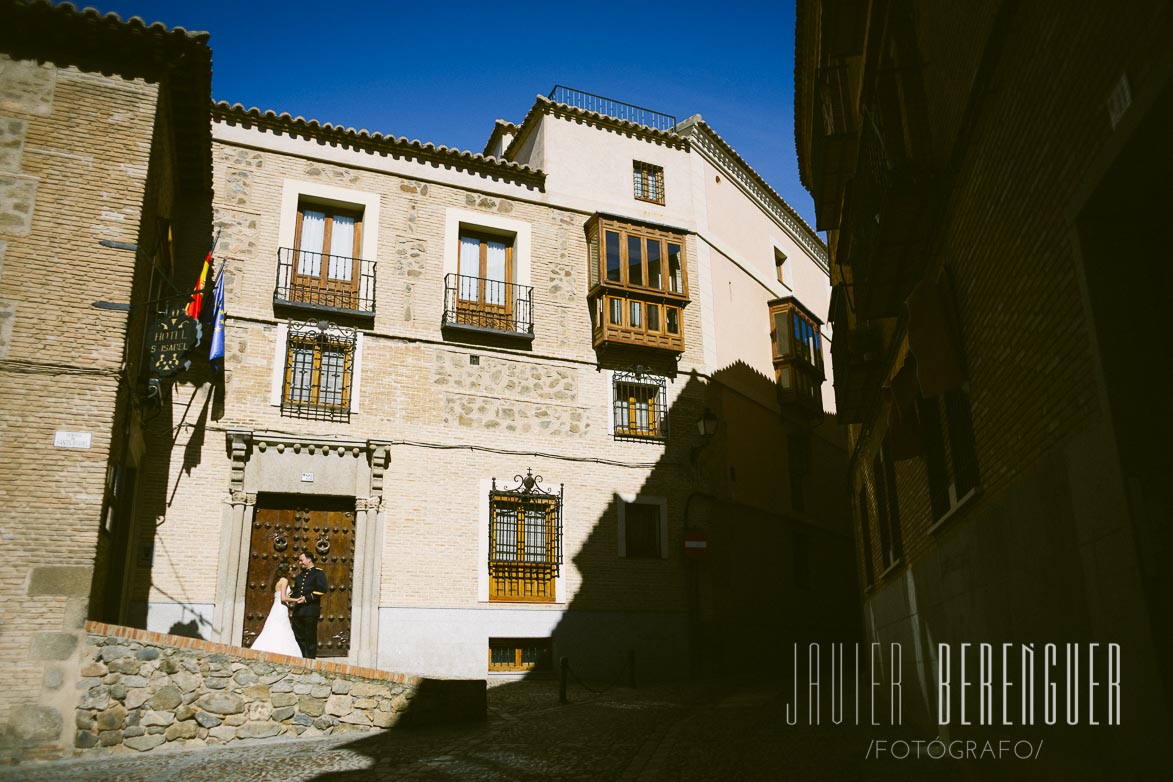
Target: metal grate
648, 181
322, 281
525, 540
319, 367
613, 108
489, 305
640, 405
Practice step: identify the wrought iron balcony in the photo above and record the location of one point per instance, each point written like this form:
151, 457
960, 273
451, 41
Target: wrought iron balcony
613, 108
480, 304
319, 281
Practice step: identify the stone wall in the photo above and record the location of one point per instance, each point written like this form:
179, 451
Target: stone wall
142, 691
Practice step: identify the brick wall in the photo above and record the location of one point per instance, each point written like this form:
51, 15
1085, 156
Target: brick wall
76, 152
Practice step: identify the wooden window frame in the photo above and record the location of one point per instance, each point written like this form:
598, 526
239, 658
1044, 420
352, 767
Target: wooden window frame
646, 233
544, 647
779, 265
656, 511
625, 409
325, 281
484, 238
648, 182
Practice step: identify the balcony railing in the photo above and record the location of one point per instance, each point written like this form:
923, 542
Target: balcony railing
325, 282
481, 304
613, 108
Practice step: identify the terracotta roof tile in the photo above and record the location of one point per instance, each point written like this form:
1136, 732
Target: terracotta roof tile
373, 140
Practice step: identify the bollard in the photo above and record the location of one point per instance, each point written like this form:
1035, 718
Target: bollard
631, 668
563, 673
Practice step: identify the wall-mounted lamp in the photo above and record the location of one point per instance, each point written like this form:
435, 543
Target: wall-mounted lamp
707, 424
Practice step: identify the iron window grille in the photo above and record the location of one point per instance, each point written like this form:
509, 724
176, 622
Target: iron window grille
319, 367
648, 181
525, 540
519, 654
640, 405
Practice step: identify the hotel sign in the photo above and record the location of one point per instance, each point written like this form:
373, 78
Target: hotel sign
169, 339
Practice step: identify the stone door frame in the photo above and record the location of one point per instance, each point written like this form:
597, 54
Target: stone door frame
247, 480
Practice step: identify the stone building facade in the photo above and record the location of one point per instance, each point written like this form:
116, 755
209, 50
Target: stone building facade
991, 181
104, 194
412, 330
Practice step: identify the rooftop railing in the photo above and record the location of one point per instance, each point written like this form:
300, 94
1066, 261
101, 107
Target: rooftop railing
613, 108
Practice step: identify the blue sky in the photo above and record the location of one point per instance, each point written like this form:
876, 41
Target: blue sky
443, 72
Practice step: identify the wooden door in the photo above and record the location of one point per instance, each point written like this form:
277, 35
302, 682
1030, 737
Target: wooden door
284, 526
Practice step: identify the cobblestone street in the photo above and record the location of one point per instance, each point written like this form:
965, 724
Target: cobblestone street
708, 731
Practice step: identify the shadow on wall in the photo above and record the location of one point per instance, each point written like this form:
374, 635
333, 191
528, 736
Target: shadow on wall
777, 567
774, 574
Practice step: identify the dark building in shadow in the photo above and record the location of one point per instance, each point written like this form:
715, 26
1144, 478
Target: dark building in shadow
992, 180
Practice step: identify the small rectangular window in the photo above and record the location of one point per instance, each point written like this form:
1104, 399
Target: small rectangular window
673, 314
640, 406
519, 654
781, 269
641, 533
648, 181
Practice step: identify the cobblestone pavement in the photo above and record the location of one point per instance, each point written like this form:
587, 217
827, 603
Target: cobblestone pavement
707, 731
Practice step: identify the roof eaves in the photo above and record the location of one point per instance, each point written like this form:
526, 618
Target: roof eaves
299, 126
103, 43
500, 128
701, 126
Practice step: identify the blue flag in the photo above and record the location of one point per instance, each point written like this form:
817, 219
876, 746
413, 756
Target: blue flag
216, 351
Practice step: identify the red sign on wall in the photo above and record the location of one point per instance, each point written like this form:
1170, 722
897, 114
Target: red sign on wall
696, 543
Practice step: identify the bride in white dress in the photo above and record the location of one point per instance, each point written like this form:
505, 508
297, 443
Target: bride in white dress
277, 634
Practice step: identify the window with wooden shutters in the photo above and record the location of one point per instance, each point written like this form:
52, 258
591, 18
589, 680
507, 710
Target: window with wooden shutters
319, 369
525, 541
324, 269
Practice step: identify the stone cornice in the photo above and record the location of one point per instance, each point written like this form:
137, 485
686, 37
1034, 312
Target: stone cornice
720, 154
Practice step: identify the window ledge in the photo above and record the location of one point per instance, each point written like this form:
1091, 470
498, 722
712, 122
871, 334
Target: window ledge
520, 336
309, 307
896, 565
958, 506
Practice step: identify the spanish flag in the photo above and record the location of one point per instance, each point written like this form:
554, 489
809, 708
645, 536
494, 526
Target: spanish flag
196, 305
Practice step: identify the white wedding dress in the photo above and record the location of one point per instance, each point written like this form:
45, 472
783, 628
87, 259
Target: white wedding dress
277, 634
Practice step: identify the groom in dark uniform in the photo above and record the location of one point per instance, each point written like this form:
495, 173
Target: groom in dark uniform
308, 588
